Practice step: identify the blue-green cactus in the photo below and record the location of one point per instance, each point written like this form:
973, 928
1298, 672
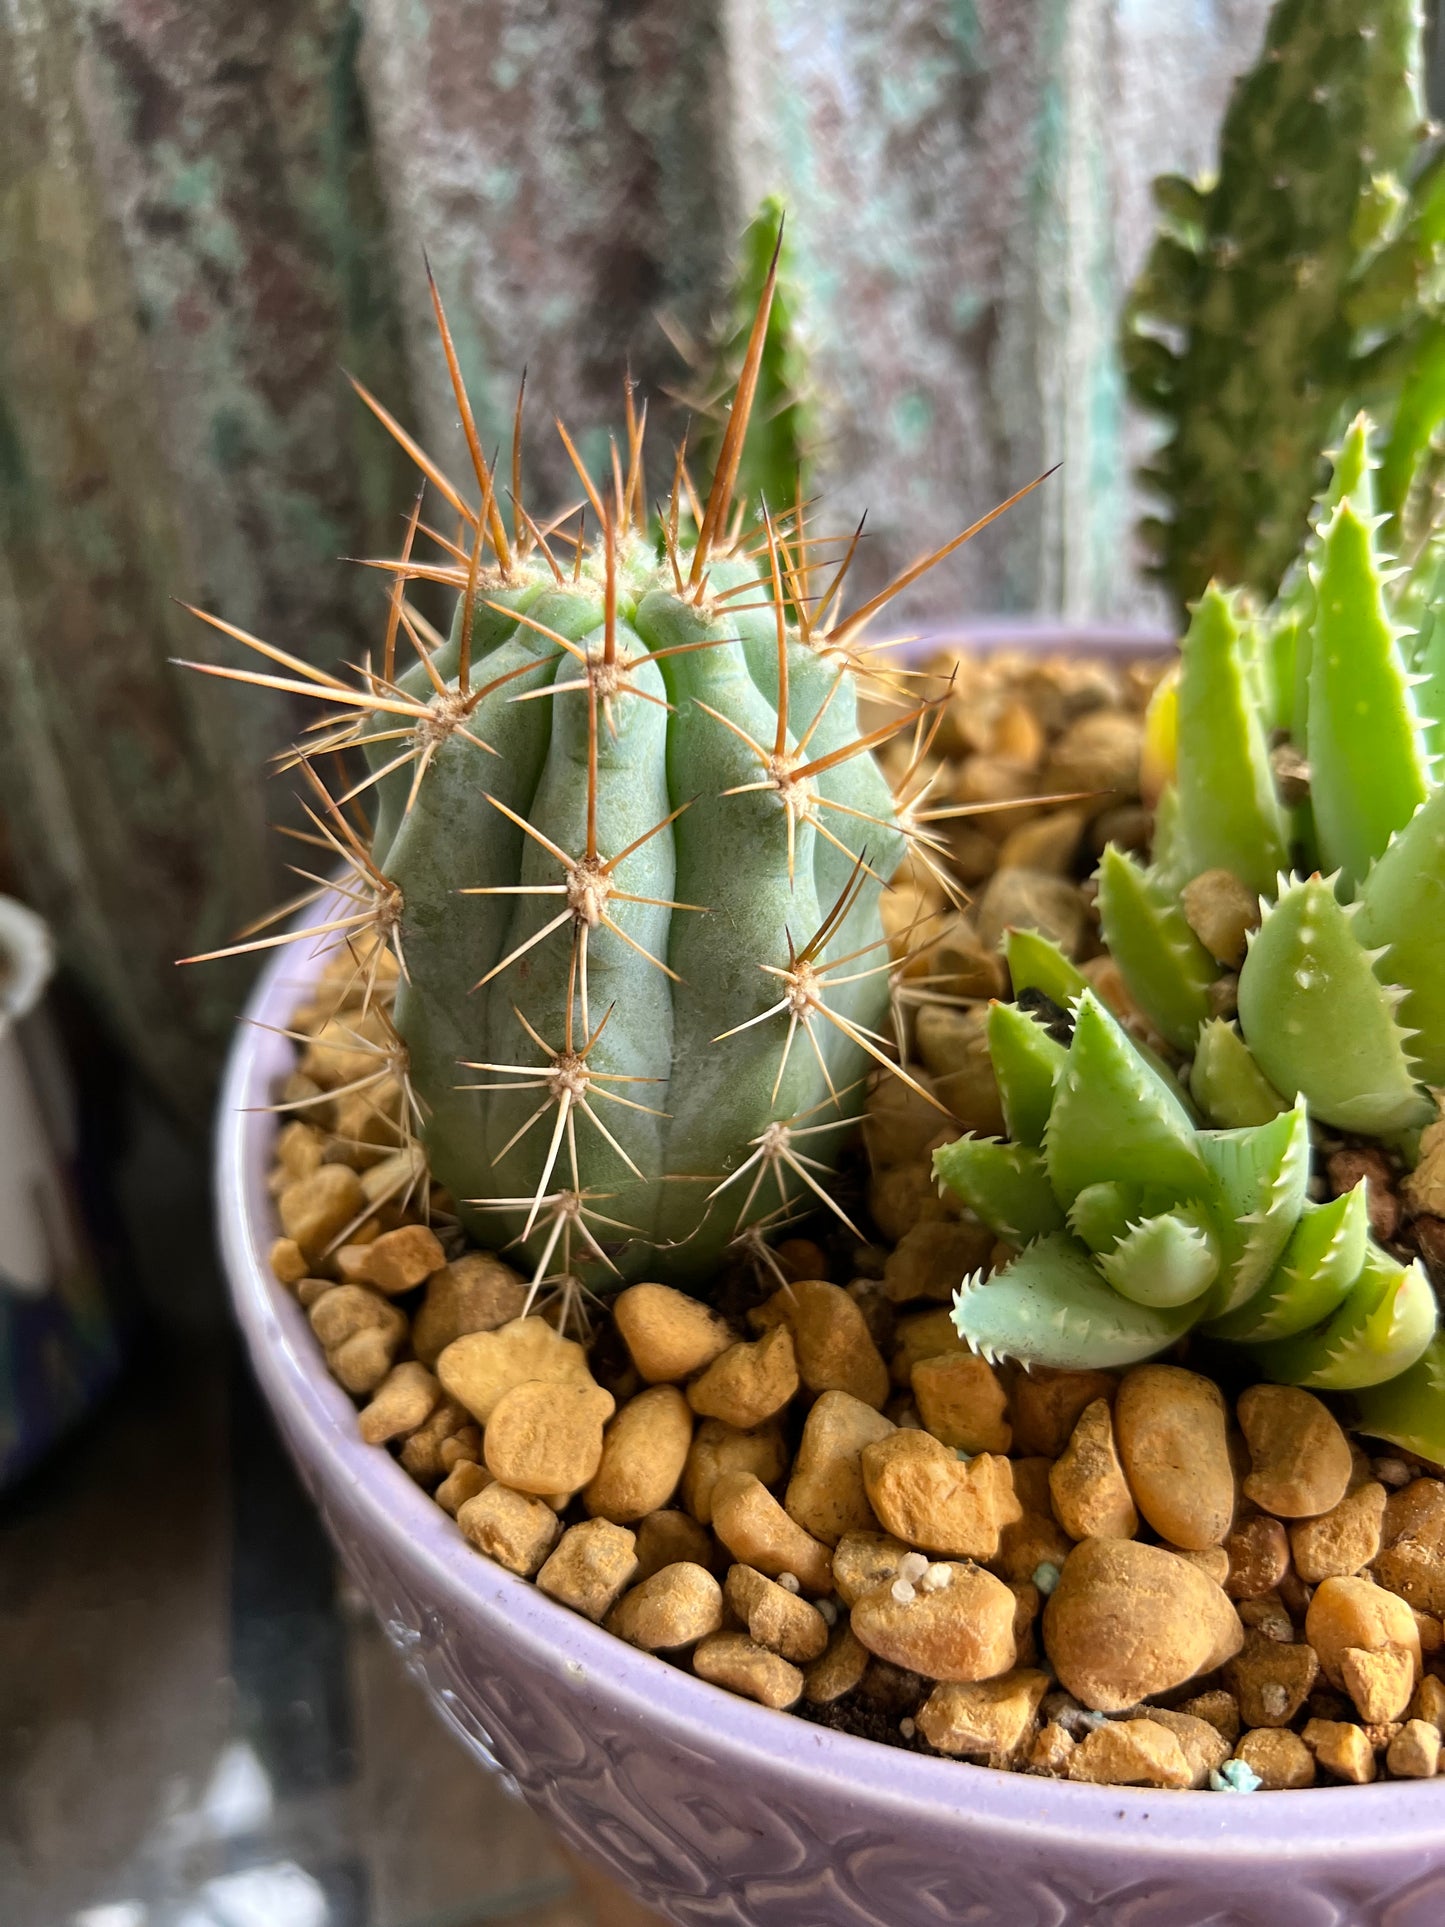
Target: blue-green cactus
629, 846
1341, 995
1137, 1226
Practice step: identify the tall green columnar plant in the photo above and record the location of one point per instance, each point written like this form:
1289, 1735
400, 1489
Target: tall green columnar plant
778, 452
628, 846
1299, 283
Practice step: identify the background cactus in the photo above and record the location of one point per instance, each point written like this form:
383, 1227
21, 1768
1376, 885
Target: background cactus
1136, 1226
779, 448
629, 845
1340, 989
1299, 284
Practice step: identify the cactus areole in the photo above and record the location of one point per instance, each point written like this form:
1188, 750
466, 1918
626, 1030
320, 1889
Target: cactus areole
626, 838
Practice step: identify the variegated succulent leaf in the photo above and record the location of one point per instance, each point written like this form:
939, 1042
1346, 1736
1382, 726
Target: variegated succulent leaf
1102, 1213
1229, 815
1168, 1226
1320, 1263
1402, 915
1035, 962
1409, 1411
1006, 1185
1052, 1307
1318, 1020
1167, 969
1114, 1113
1367, 753
1165, 1261
1027, 1063
1226, 1083
1261, 1177
1383, 1326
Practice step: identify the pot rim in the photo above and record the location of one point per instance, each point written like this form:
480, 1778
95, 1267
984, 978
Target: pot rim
973, 1800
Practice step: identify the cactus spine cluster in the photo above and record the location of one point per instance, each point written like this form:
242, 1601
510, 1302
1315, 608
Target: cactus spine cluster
628, 847
1136, 1225
1297, 285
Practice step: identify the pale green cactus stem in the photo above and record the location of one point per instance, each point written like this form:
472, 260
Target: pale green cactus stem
1341, 995
1136, 1226
629, 849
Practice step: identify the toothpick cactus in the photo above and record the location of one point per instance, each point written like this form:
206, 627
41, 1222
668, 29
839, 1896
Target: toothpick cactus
1295, 285
628, 850
1341, 991
1137, 1226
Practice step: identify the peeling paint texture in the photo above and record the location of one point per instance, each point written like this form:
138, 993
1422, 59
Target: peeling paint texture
205, 209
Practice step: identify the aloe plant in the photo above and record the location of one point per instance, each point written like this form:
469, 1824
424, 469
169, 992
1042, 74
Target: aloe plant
1136, 1225
1341, 993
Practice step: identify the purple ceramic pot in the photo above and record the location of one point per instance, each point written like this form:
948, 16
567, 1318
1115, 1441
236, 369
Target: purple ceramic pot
712, 1809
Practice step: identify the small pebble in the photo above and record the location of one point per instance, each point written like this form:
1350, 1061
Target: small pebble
1173, 1443
1342, 1749
748, 1383
515, 1529
1235, 1776
591, 1567
669, 1335
480, 1368
1300, 1461
544, 1438
674, 1608
738, 1663
924, 1495
758, 1532
964, 1631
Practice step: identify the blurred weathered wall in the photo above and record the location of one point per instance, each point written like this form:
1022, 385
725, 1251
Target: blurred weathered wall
206, 209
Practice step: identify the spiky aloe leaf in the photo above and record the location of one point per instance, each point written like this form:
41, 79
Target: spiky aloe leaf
1352, 480
1051, 1307
1320, 1263
1166, 967
1159, 750
1005, 1185
1320, 1022
1367, 755
1427, 663
1230, 817
1226, 1083
1262, 1176
1164, 1261
1402, 906
1409, 1411
1113, 1113
1027, 1062
1172, 865
1381, 1329
1102, 1213
1035, 962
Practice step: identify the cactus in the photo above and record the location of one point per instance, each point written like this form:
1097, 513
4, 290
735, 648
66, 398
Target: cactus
1341, 994
629, 845
778, 451
1137, 1226
1295, 287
